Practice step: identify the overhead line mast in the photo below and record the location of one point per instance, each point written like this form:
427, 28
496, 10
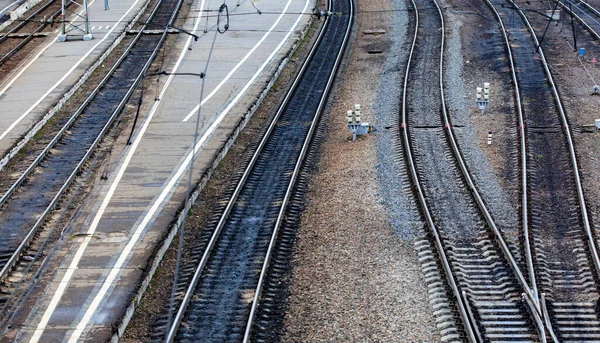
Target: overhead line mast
79, 27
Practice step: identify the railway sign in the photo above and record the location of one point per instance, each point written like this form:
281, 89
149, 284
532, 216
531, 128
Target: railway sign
354, 124
482, 97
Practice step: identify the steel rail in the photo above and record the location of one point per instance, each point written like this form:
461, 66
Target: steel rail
478, 199
589, 7
470, 327
528, 291
547, 317
27, 20
29, 37
537, 318
190, 290
472, 317
80, 110
535, 302
567, 130
32, 232
523, 153
473, 189
298, 167
540, 304
22, 43
581, 20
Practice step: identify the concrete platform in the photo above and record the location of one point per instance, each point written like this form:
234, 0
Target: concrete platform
7, 5
31, 91
96, 276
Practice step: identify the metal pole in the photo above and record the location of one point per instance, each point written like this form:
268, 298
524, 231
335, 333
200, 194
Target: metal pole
573, 27
79, 22
88, 34
85, 18
546, 29
62, 36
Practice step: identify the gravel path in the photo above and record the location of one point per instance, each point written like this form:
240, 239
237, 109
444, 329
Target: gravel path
356, 276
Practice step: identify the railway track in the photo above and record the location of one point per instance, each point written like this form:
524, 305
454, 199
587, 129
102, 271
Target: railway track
38, 187
587, 15
555, 215
490, 299
28, 30
228, 283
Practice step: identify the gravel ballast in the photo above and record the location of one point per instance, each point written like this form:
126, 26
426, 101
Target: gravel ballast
471, 125
355, 276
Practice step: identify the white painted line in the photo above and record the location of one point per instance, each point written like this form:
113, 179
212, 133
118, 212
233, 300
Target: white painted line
16, 122
108, 283
156, 204
73, 266
93, 27
237, 66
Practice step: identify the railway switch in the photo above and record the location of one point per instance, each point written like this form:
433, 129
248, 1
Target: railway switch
355, 125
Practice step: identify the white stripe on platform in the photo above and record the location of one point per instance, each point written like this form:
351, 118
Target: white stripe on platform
108, 283
116, 269
237, 66
13, 80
